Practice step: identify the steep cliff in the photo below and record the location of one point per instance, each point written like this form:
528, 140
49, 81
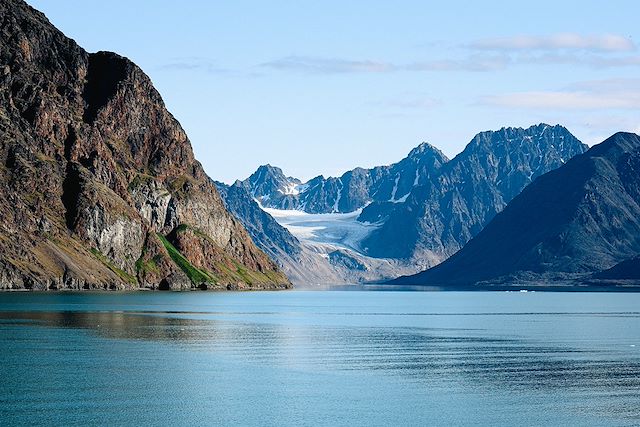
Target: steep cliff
99, 187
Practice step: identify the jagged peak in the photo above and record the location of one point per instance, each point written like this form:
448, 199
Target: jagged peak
426, 147
268, 170
509, 134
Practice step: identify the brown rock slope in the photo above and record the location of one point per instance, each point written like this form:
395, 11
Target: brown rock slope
99, 187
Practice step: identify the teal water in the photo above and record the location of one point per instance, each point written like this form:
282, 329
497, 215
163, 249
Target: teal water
319, 358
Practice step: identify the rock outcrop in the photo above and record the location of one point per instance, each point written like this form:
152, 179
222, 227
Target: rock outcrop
99, 187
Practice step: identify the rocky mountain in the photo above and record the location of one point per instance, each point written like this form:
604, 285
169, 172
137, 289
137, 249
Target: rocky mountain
412, 214
99, 187
443, 213
353, 190
580, 219
306, 263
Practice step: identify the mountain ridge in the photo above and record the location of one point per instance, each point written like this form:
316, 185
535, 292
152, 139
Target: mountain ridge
431, 217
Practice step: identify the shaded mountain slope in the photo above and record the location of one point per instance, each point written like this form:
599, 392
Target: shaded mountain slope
579, 219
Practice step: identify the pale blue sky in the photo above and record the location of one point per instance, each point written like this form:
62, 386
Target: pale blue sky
319, 87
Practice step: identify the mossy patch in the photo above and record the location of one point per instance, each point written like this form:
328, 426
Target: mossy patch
140, 180
180, 185
126, 277
196, 275
147, 266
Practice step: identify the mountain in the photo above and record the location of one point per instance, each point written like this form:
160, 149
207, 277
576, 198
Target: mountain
411, 215
628, 269
580, 219
307, 262
348, 193
443, 213
99, 187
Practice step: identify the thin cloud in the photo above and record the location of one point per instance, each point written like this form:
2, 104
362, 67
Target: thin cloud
622, 94
564, 100
318, 65
564, 41
412, 102
195, 64
475, 63
590, 60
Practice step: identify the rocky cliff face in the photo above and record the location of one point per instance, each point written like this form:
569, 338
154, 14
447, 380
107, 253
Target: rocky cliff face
568, 224
443, 213
349, 192
99, 187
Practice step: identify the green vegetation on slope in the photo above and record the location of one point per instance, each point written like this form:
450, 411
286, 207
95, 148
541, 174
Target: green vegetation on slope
121, 273
196, 275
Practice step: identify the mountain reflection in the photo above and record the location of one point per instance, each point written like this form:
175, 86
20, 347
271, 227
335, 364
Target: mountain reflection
115, 325
430, 355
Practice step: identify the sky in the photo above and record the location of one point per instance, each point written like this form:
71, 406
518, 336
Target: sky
320, 87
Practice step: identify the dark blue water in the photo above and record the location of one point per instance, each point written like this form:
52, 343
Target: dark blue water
319, 358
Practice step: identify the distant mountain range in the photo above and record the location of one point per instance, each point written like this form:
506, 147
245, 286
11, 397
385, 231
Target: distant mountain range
446, 211
353, 190
424, 207
579, 223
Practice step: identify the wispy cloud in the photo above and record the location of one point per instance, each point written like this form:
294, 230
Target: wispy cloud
318, 65
588, 60
471, 63
592, 95
194, 63
412, 101
205, 65
563, 41
486, 55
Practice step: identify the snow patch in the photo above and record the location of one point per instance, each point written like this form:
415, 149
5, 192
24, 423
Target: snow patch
339, 195
395, 189
403, 198
291, 189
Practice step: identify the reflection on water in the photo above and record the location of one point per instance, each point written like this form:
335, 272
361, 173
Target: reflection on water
420, 353
119, 325
516, 361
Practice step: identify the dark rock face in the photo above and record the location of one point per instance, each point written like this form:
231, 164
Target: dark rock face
350, 192
628, 269
99, 185
579, 219
270, 236
443, 213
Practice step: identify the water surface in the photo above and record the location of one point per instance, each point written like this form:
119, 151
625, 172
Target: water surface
320, 358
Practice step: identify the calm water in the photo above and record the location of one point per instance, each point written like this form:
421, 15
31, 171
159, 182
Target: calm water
319, 358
